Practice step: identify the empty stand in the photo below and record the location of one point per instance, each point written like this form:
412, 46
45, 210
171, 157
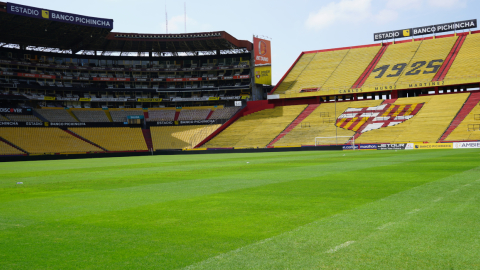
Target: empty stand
429, 58
442, 72
114, 139
180, 137
467, 61
39, 140
361, 80
322, 124
351, 68
23, 118
427, 125
121, 115
193, 114
91, 115
224, 113
56, 115
7, 150
3, 118
467, 117
256, 129
161, 115
394, 61
296, 122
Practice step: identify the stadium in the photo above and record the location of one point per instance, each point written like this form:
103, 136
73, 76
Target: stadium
133, 150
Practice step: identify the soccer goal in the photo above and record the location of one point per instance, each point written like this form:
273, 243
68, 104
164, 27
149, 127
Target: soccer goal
338, 140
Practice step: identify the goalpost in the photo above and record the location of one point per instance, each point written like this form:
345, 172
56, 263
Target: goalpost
338, 140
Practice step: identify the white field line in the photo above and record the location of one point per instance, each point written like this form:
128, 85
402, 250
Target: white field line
344, 245
385, 225
437, 200
455, 190
467, 185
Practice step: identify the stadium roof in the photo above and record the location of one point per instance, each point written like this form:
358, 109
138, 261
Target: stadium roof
37, 32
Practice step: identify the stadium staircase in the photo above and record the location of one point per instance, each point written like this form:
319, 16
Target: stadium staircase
13, 145
109, 116
209, 114
471, 102
85, 140
73, 115
308, 110
39, 116
361, 80
148, 138
145, 115
442, 72
177, 114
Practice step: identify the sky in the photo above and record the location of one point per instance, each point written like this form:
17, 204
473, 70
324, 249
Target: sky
292, 26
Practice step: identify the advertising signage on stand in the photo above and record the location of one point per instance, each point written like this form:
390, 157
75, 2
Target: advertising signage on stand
57, 16
263, 61
426, 30
262, 51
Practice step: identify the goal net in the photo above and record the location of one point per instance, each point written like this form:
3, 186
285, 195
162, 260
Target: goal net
338, 140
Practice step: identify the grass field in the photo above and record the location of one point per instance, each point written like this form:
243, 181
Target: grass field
416, 209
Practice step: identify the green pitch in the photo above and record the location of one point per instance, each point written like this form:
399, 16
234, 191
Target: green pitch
293, 210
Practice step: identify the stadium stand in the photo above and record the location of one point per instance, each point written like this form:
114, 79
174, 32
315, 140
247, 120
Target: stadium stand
161, 114
91, 115
56, 115
467, 61
351, 67
193, 114
42, 140
114, 139
430, 50
7, 150
224, 113
427, 126
396, 54
180, 137
256, 129
120, 115
469, 128
23, 118
321, 123
3, 118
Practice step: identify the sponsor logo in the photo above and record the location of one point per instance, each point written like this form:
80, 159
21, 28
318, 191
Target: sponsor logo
262, 47
45, 14
8, 123
66, 124
11, 110
393, 146
34, 123
466, 145
434, 146
349, 147
368, 146
386, 115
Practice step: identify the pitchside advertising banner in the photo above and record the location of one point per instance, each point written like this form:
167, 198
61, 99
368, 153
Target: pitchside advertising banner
53, 15
426, 30
460, 145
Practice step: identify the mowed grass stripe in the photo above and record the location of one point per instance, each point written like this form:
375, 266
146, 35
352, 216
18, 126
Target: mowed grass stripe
408, 230
189, 226
79, 200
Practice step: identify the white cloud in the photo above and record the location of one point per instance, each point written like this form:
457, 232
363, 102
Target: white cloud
343, 11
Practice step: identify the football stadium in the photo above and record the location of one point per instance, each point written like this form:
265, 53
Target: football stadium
166, 151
